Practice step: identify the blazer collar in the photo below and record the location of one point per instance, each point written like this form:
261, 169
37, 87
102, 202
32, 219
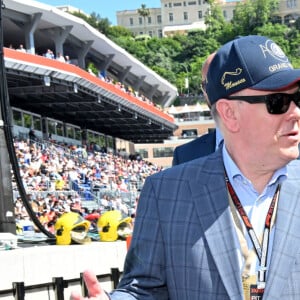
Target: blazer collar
211, 202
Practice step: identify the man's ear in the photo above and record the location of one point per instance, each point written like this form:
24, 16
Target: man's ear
229, 115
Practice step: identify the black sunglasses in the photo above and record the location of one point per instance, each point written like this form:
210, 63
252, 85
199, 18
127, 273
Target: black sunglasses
277, 104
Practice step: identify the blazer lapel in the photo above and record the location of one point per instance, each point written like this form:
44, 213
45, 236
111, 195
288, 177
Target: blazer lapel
286, 239
211, 202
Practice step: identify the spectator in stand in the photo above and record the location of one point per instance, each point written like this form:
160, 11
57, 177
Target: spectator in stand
91, 72
76, 206
32, 136
21, 48
44, 219
60, 57
67, 59
49, 54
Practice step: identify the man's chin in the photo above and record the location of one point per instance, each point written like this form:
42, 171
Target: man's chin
291, 153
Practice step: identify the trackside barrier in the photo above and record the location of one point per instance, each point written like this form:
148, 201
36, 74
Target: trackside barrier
58, 285
19, 290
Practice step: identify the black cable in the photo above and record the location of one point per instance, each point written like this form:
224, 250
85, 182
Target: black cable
6, 117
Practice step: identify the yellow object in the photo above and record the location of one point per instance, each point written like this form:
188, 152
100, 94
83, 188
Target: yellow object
71, 227
59, 184
112, 226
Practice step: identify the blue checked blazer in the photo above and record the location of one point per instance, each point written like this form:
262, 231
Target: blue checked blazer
183, 246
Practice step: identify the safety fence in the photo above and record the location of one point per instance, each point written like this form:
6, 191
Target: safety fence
58, 285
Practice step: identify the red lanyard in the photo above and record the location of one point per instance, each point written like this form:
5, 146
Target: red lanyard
261, 251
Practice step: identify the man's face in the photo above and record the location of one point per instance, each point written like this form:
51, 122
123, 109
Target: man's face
271, 139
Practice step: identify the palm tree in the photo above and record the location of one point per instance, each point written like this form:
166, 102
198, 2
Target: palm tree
144, 12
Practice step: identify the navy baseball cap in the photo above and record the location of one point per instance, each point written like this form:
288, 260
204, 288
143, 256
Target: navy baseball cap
252, 61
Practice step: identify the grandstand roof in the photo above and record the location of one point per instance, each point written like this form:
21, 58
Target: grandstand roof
94, 105
77, 97
102, 50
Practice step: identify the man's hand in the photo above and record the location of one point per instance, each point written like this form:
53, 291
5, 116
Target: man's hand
93, 287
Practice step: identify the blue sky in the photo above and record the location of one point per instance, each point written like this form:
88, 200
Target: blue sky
104, 9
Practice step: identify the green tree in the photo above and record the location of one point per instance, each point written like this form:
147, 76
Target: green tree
287, 38
115, 32
217, 27
250, 15
144, 12
180, 56
95, 20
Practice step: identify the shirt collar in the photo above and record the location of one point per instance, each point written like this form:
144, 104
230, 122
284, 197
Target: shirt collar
233, 170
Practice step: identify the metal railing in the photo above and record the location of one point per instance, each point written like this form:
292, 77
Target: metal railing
58, 285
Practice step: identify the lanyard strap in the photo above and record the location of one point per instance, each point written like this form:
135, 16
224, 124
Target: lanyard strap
261, 250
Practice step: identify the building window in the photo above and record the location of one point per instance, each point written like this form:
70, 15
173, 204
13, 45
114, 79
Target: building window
143, 153
70, 132
177, 4
149, 20
159, 19
131, 21
55, 127
199, 2
17, 116
184, 3
185, 16
291, 3
27, 120
200, 15
170, 4
36, 122
78, 134
59, 129
225, 14
110, 142
140, 20
160, 35
171, 17
163, 152
187, 133
151, 33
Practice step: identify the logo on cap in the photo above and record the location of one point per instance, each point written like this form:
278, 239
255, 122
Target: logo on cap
228, 83
272, 49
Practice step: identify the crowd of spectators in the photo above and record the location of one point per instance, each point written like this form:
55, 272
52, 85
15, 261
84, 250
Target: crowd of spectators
63, 178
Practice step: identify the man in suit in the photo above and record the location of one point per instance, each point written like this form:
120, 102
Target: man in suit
204, 144
198, 147
226, 226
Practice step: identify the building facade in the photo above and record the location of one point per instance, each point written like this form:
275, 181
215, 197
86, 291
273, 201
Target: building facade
181, 16
288, 11
152, 25
192, 121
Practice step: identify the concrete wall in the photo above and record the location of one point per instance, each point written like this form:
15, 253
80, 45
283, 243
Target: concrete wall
40, 264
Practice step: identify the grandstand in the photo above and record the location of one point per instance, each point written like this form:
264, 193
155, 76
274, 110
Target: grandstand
68, 93
62, 102
63, 118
